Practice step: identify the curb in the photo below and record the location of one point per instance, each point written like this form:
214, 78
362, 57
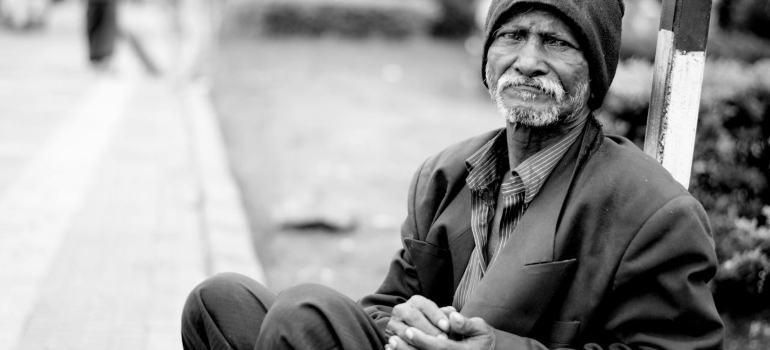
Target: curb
223, 221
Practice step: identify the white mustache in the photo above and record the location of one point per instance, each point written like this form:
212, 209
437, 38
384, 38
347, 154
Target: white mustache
548, 86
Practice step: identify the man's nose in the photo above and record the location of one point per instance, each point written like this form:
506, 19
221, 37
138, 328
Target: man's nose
529, 61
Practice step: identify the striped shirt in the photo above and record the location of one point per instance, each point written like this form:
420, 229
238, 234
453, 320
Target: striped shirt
489, 179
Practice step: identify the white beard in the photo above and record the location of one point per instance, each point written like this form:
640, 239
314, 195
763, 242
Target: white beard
565, 108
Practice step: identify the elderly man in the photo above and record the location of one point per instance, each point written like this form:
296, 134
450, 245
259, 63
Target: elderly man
544, 234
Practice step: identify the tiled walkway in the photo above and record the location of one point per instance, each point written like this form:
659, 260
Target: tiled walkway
115, 197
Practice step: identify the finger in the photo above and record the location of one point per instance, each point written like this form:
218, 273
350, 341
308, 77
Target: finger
396, 330
468, 327
400, 331
423, 341
448, 310
432, 313
396, 343
395, 327
410, 314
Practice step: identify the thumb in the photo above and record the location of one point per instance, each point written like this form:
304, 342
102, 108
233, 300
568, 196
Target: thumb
468, 327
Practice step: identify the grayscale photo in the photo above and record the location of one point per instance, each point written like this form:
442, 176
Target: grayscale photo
385, 174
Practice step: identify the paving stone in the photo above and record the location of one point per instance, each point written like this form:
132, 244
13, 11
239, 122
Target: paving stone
103, 233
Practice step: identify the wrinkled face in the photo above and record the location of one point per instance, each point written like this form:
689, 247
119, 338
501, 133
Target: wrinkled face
536, 72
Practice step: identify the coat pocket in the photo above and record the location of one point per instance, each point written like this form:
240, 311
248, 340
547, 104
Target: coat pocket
513, 299
434, 270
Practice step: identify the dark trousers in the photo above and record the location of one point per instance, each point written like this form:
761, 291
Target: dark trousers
232, 311
102, 28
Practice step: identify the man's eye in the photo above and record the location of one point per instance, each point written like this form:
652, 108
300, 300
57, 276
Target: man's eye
518, 36
557, 43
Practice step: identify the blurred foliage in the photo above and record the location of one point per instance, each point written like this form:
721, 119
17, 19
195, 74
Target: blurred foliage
640, 29
741, 285
730, 169
741, 46
453, 19
730, 173
346, 21
731, 160
744, 15
391, 19
456, 19
735, 31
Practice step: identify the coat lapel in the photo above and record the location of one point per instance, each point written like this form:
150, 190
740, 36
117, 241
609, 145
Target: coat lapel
533, 239
521, 281
457, 218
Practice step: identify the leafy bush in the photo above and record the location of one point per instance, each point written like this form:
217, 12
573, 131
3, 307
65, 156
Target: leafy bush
640, 30
350, 19
742, 286
731, 168
730, 36
355, 22
456, 19
737, 45
354, 18
746, 15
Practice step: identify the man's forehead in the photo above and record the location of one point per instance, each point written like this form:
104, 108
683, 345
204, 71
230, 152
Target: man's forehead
542, 15
537, 20
540, 20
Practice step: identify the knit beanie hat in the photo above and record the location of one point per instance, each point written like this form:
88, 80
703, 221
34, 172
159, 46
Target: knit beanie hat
598, 23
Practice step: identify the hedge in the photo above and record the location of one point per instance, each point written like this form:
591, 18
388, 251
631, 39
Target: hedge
392, 19
737, 45
745, 15
731, 168
739, 30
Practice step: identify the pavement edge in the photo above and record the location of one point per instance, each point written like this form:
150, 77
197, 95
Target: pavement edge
224, 223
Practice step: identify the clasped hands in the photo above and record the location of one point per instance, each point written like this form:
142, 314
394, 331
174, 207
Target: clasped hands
420, 324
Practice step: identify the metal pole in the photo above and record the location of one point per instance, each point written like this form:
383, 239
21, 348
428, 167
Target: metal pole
679, 62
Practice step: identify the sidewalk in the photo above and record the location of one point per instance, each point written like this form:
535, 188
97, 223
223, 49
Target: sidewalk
117, 200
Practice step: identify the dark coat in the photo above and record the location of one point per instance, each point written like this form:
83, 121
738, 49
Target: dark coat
612, 250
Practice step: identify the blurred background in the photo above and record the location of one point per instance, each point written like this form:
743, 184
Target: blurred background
277, 138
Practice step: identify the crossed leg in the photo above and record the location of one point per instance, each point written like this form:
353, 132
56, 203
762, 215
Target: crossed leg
232, 311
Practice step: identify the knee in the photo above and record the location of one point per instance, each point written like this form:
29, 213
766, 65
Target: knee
311, 295
217, 290
311, 316
225, 309
213, 287
305, 303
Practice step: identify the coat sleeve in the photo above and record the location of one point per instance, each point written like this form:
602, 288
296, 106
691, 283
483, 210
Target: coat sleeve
401, 281
659, 298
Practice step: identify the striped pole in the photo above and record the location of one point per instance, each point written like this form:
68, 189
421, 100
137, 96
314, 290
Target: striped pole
680, 58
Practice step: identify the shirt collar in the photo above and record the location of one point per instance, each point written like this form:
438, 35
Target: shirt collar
487, 165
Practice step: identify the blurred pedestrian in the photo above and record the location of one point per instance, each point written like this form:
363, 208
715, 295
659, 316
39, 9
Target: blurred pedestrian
102, 30
195, 23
